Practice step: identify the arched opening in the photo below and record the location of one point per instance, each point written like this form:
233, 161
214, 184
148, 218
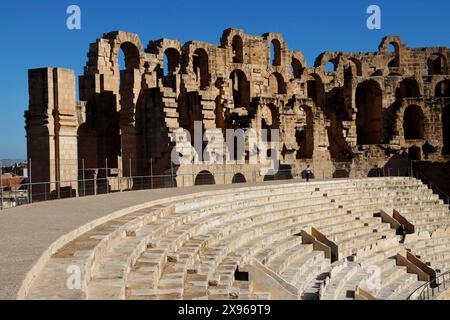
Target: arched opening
127, 60
239, 178
275, 52
341, 174
443, 89
357, 66
436, 65
238, 49
415, 153
369, 120
296, 68
129, 53
240, 89
413, 123
315, 89
204, 178
311, 88
219, 111
201, 67
393, 48
408, 88
277, 84
446, 130
305, 138
330, 66
270, 118
171, 61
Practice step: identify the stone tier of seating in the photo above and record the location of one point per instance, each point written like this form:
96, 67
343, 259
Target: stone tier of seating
318, 240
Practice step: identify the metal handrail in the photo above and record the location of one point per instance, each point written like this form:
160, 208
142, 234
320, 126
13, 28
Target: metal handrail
431, 285
24, 192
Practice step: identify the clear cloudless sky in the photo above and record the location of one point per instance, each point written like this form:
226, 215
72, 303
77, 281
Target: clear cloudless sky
34, 34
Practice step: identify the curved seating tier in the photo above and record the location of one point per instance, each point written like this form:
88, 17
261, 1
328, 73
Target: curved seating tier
316, 240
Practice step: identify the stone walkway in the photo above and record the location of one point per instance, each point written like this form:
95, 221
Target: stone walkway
27, 231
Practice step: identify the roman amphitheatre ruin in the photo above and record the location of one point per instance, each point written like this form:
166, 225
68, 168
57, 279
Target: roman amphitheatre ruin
240, 234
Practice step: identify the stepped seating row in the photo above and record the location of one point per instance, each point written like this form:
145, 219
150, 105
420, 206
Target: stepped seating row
434, 250
200, 247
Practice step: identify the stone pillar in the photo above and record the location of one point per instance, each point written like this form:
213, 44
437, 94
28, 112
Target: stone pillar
51, 126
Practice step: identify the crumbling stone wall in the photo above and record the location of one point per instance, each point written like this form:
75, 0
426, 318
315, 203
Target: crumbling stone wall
376, 110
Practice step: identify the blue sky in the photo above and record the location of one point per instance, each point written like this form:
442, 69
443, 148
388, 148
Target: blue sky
35, 34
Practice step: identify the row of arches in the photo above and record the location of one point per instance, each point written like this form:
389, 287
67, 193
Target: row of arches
436, 63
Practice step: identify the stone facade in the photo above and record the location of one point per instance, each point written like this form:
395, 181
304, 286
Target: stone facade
375, 111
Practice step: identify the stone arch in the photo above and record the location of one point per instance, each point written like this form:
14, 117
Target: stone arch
277, 84
408, 88
239, 178
270, 117
369, 120
446, 130
331, 66
442, 89
131, 55
395, 62
240, 89
355, 66
171, 61
436, 64
238, 49
296, 68
413, 123
341, 174
127, 43
275, 55
201, 67
204, 178
305, 138
270, 120
315, 88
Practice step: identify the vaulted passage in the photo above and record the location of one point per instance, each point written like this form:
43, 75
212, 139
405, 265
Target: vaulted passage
408, 88
277, 84
201, 67
413, 123
270, 118
240, 88
204, 178
296, 68
275, 52
436, 64
239, 178
238, 52
446, 130
443, 89
369, 119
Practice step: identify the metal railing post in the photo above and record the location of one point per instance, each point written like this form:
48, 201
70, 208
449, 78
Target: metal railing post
151, 173
106, 171
30, 183
84, 178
